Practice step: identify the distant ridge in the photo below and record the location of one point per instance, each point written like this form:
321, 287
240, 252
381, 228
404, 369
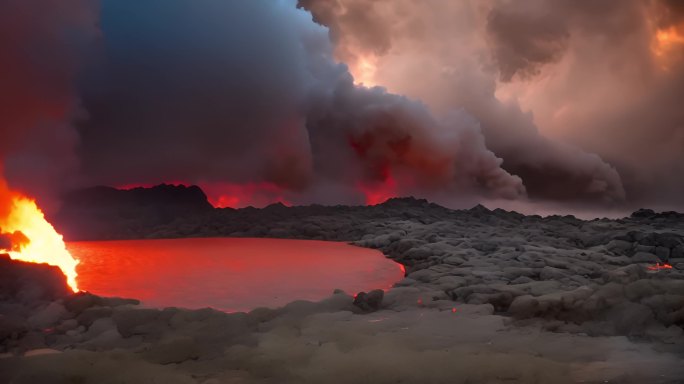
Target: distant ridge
106, 212
171, 211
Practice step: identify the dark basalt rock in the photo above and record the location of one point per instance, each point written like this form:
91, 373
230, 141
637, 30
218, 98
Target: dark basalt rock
108, 213
404, 202
30, 282
652, 215
369, 302
643, 214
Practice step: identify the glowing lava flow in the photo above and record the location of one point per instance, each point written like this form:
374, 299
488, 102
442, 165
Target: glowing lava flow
659, 266
33, 238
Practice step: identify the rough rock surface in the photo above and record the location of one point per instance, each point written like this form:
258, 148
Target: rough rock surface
30, 282
489, 296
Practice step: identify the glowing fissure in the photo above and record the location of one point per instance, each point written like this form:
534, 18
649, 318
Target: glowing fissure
659, 266
31, 237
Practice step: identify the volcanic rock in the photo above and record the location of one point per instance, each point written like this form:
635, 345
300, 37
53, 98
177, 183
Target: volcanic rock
175, 350
479, 284
645, 257
370, 301
29, 282
104, 212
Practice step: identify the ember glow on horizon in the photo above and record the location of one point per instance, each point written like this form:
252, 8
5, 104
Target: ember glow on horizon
530, 105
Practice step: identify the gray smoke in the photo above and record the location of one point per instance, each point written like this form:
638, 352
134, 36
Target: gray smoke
571, 95
566, 102
249, 92
40, 54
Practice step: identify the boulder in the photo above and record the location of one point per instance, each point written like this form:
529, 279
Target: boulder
30, 282
619, 246
369, 302
625, 275
644, 257
47, 316
173, 351
663, 253
523, 307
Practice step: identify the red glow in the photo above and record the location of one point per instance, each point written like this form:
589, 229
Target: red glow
377, 192
659, 266
230, 195
227, 273
453, 310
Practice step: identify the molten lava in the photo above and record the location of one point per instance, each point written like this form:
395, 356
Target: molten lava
230, 274
31, 237
659, 266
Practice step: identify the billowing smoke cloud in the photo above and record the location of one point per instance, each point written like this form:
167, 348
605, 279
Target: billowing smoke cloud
249, 93
457, 51
604, 77
611, 87
559, 100
396, 140
41, 47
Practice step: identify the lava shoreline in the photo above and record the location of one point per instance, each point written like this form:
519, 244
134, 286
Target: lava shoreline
489, 296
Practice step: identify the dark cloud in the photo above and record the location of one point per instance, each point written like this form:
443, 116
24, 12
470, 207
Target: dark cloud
42, 44
448, 56
523, 39
190, 93
248, 92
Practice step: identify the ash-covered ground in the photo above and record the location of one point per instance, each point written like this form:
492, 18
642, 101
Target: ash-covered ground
489, 297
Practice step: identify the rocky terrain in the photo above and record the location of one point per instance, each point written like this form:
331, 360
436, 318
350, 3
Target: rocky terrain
489, 296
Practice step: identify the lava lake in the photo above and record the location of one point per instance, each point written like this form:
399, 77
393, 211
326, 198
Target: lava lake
229, 274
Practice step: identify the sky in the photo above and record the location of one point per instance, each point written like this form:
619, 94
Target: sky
538, 106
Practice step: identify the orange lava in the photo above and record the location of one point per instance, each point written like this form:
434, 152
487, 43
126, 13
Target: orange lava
31, 237
230, 274
659, 266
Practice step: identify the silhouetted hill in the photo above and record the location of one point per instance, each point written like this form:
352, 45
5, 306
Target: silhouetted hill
106, 213
167, 211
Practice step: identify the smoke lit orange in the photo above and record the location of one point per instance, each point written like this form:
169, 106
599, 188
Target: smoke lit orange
667, 43
33, 238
